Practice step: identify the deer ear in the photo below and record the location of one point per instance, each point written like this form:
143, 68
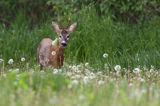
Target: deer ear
56, 27
72, 27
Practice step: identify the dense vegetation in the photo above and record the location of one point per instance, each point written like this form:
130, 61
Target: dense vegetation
112, 59
126, 44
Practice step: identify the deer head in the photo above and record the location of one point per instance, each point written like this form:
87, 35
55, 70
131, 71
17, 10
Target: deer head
63, 33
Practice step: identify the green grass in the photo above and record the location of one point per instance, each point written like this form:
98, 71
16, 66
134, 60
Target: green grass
99, 84
79, 86
127, 45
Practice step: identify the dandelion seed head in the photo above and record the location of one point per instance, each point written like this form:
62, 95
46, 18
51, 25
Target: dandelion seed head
55, 71
86, 80
23, 59
136, 70
4, 75
141, 80
100, 82
10, 61
86, 64
73, 84
1, 61
117, 68
130, 84
81, 97
105, 55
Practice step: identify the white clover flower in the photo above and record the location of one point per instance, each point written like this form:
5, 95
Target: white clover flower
23, 59
87, 64
86, 80
136, 70
117, 68
10, 61
1, 61
105, 55
100, 82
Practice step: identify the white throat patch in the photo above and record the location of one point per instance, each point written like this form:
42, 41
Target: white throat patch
55, 42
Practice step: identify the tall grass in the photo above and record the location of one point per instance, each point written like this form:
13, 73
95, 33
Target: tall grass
127, 45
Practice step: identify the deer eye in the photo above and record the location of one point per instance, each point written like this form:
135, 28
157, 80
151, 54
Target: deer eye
68, 36
60, 36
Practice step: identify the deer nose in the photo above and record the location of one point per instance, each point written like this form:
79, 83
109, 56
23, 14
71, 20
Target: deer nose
64, 44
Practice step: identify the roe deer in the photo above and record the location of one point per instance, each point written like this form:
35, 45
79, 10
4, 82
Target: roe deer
51, 52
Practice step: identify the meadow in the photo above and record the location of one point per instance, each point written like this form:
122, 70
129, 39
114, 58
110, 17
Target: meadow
107, 63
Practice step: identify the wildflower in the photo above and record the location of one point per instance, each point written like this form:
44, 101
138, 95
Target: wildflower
100, 82
73, 83
92, 76
4, 75
87, 64
17, 76
55, 71
118, 73
136, 70
99, 73
70, 67
16, 70
105, 55
106, 66
77, 76
151, 70
1, 61
86, 80
42, 72
143, 91
10, 61
141, 79
74, 67
23, 59
130, 84
117, 67
60, 70
69, 74
79, 66
81, 97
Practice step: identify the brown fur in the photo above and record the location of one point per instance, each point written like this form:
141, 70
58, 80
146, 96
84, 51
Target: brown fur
52, 53
45, 56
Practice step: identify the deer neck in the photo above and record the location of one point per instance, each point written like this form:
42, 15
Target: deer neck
56, 45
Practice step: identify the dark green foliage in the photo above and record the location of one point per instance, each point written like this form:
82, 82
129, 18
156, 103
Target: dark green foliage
36, 11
